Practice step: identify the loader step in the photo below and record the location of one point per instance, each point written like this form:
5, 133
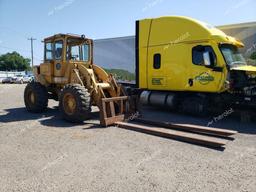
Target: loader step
174, 134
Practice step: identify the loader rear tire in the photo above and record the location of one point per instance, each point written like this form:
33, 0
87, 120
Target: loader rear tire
35, 97
75, 103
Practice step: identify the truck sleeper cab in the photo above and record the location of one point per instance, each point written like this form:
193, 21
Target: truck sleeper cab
185, 63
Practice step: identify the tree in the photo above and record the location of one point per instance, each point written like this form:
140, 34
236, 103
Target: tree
121, 74
14, 62
253, 55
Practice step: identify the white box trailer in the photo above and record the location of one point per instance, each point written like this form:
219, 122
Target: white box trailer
115, 53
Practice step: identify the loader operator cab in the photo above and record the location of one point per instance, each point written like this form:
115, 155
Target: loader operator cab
61, 50
77, 50
68, 48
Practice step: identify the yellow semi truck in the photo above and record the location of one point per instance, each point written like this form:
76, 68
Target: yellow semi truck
181, 63
185, 64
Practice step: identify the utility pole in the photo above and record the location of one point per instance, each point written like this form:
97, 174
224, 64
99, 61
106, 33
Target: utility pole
32, 56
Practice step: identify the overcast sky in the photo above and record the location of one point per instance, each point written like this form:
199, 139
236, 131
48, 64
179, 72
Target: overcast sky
20, 19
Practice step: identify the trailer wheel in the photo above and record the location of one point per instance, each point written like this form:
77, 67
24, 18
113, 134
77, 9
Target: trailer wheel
35, 97
75, 103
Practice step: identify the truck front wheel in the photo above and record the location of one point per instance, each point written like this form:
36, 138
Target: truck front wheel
35, 97
75, 103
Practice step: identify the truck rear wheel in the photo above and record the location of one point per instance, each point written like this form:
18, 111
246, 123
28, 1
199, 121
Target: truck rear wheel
75, 103
35, 97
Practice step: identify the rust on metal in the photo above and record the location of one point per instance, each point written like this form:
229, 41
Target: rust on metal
112, 110
189, 127
174, 134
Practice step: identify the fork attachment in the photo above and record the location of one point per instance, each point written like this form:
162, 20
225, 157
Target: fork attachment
113, 110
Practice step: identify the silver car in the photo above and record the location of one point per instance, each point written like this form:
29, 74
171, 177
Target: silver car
7, 80
18, 79
27, 78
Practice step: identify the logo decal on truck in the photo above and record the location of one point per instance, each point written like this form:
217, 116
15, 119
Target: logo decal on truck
204, 78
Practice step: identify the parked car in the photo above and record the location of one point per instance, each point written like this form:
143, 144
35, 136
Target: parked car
27, 78
18, 79
7, 80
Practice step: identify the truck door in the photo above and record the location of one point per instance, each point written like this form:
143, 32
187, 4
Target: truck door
46, 68
155, 70
205, 74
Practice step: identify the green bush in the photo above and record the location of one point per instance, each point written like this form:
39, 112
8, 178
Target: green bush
251, 62
253, 55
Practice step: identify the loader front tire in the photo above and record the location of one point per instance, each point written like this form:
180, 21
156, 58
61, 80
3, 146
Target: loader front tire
35, 97
75, 103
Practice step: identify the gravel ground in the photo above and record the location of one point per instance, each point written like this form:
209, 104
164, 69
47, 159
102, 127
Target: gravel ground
41, 152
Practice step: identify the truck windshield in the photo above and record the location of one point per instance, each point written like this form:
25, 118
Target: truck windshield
232, 55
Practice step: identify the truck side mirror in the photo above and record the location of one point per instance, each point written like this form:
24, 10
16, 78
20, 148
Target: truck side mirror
207, 59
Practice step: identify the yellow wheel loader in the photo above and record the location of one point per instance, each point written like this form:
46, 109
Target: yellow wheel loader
69, 76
